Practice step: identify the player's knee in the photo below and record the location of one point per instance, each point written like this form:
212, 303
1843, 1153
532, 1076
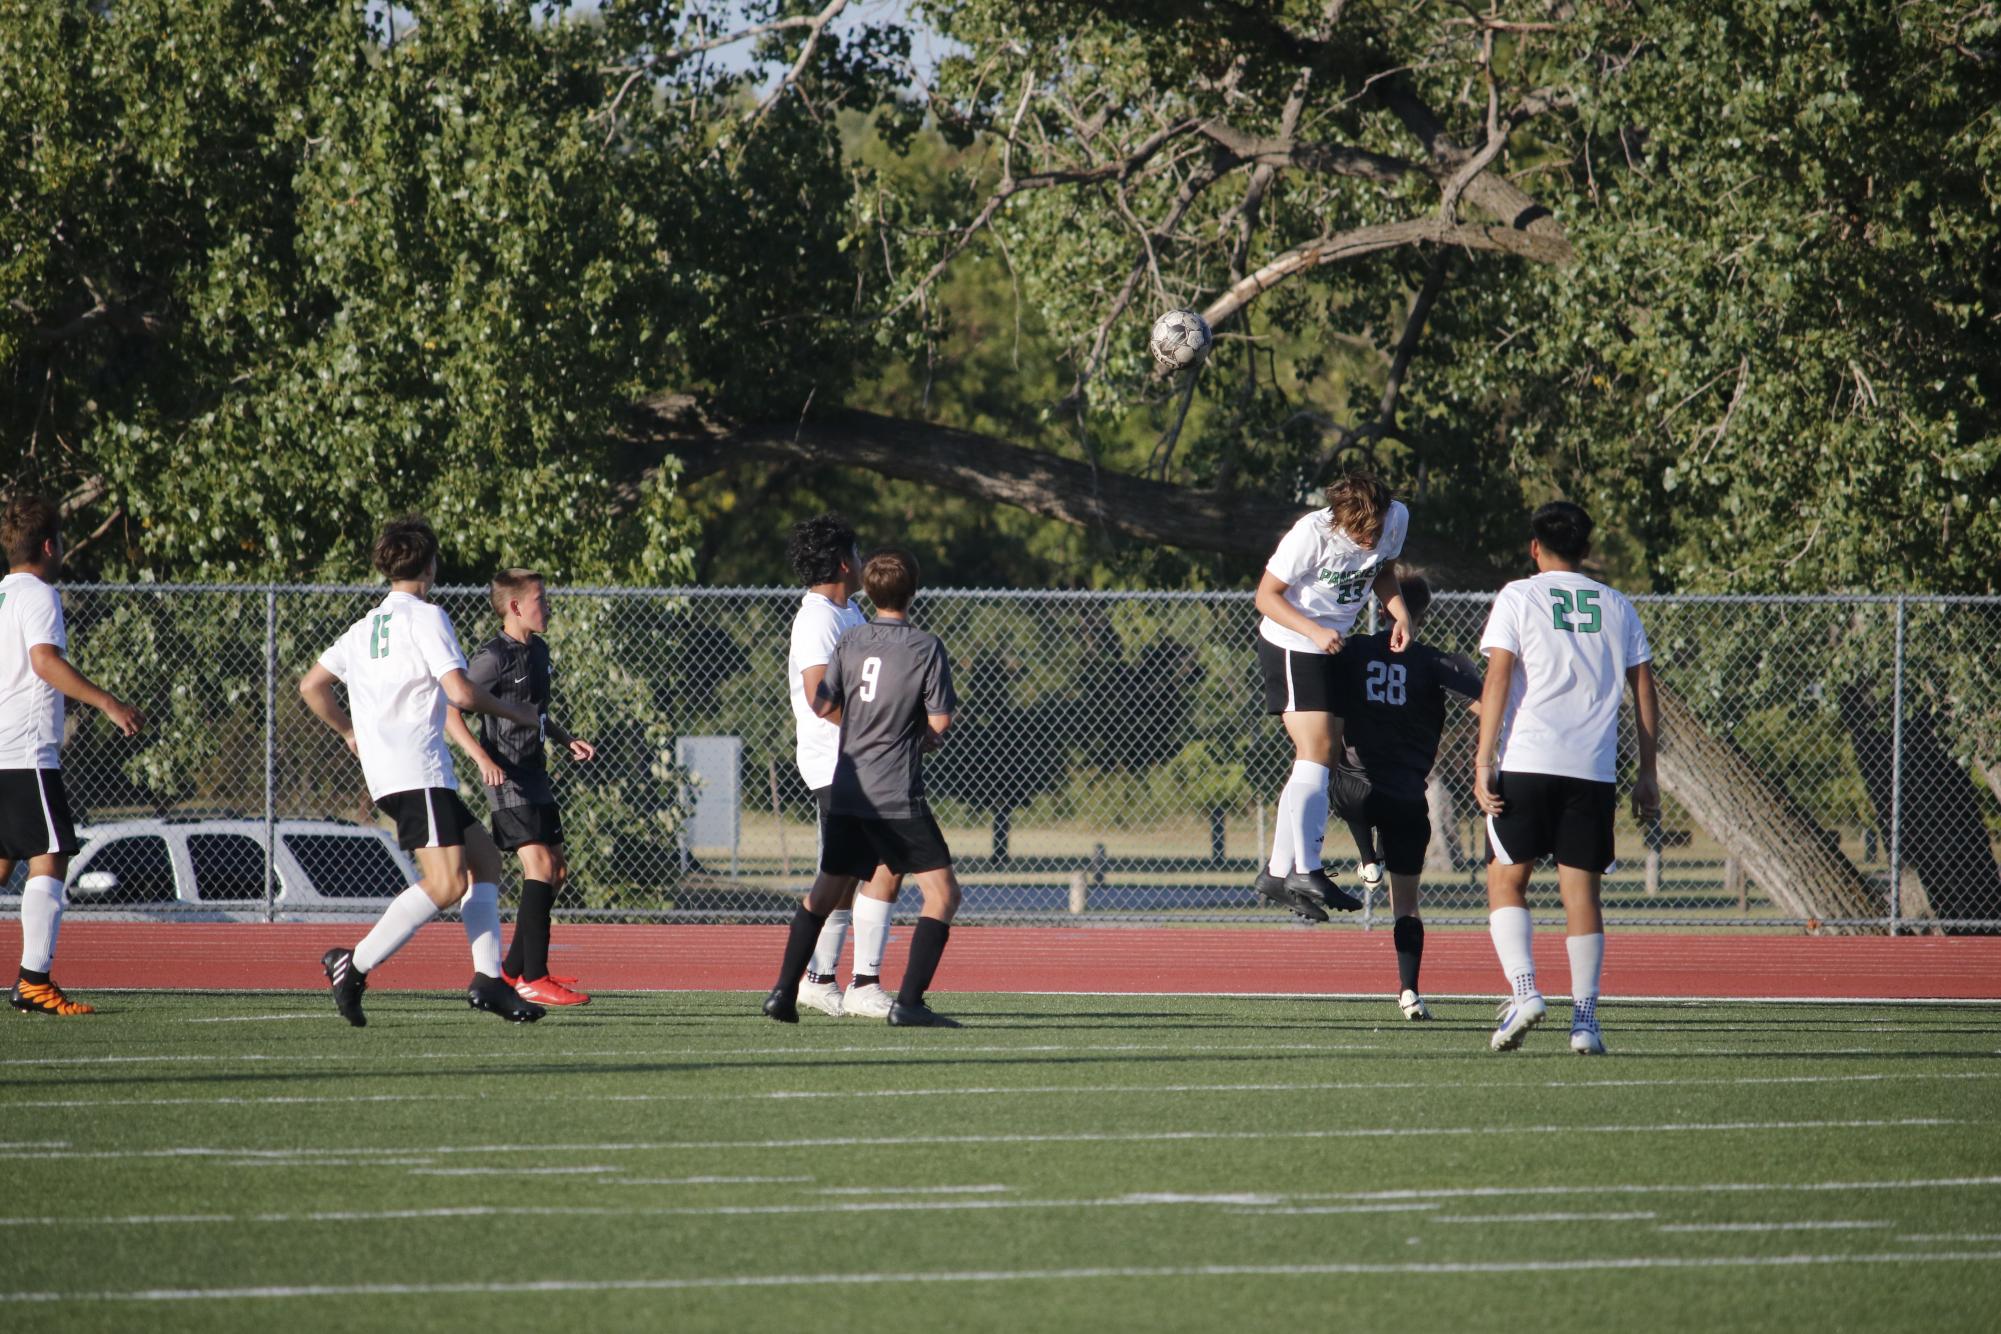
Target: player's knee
443, 890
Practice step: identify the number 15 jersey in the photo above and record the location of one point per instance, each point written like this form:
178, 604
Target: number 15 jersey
392, 660
1574, 640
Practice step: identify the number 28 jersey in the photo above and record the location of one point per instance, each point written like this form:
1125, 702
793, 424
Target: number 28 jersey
392, 660
1394, 707
889, 676
1328, 575
1574, 640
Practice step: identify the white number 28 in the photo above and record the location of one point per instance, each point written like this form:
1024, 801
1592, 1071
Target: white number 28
1386, 684
871, 676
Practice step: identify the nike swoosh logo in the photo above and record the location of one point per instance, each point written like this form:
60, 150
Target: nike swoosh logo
519, 679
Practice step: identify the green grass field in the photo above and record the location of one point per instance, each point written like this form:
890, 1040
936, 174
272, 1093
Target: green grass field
674, 1162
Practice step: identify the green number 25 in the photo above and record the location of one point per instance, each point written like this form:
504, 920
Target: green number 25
1567, 603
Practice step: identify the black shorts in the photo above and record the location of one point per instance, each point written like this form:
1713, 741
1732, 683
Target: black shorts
34, 815
516, 827
427, 817
1297, 682
822, 798
1402, 824
1550, 815
854, 845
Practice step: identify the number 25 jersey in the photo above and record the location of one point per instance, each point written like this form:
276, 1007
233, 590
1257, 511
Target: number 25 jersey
1574, 640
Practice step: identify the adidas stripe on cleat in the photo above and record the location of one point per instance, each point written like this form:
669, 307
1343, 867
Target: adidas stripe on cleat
44, 998
347, 983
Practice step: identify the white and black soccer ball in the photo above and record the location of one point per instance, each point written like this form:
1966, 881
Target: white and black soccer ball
1180, 341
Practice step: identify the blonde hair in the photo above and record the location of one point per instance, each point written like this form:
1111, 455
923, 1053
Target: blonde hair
508, 585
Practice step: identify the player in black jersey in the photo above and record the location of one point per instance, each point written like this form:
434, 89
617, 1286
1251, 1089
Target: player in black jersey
1395, 707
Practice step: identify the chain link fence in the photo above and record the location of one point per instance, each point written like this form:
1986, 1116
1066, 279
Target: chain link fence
1829, 763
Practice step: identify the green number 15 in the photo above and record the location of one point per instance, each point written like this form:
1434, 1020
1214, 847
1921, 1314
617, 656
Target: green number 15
1567, 603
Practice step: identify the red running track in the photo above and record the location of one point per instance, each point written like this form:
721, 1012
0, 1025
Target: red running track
1275, 960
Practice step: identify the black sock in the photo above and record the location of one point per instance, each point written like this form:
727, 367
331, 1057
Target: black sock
1409, 936
927, 946
30, 975
812, 976
799, 948
528, 952
866, 980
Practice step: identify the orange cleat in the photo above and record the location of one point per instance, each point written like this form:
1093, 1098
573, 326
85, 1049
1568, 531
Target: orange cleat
44, 998
548, 991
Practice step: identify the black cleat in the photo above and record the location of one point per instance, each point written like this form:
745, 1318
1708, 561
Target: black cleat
782, 1006
919, 1015
347, 982
1274, 889
496, 997
1315, 889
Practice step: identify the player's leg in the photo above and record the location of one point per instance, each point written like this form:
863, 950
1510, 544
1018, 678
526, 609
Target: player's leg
1515, 839
526, 968
1584, 848
1351, 792
917, 847
1303, 805
865, 998
1406, 834
820, 989
782, 1003
36, 825
479, 862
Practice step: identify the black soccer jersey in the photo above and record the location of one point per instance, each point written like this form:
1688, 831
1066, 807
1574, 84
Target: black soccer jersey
517, 673
1393, 705
889, 677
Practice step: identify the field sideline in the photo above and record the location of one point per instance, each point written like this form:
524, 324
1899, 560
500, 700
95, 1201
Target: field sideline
1064, 1162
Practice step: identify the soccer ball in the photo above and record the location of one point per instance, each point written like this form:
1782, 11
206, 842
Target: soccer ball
1180, 341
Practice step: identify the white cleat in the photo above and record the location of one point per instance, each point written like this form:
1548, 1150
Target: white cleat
1413, 1006
1517, 1016
869, 1002
822, 996
1587, 1041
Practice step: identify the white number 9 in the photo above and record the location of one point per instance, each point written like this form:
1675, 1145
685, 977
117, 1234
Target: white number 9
871, 675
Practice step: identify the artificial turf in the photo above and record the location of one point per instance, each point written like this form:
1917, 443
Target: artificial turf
676, 1162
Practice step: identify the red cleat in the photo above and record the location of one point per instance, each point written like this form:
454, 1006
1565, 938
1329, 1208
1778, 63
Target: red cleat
548, 991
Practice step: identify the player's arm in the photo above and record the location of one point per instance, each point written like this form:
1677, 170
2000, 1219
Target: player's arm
1647, 731
580, 750
316, 687
1389, 590
48, 662
1271, 602
468, 696
1463, 678
823, 701
490, 772
1493, 706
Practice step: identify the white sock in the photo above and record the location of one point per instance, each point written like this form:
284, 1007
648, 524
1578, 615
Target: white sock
480, 911
1302, 811
871, 934
1587, 961
1514, 940
827, 953
41, 918
392, 931
1281, 843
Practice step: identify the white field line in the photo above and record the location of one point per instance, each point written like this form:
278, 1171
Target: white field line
253, 1018
1390, 1201
320, 1163
999, 1091
1490, 997
900, 1052
509, 1171
1950, 1236
1052, 1137
1422, 1269
913, 1190
1634, 1216
1786, 1225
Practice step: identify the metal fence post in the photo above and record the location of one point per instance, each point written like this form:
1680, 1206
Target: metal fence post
271, 754
1897, 776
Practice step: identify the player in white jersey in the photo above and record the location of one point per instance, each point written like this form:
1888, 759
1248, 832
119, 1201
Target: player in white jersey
827, 559
35, 823
402, 665
1314, 586
1561, 650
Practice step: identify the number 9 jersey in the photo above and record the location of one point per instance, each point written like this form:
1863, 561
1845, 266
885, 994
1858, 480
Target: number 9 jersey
1574, 639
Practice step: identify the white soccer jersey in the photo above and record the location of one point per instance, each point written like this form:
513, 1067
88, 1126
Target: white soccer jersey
392, 660
1327, 575
816, 628
31, 710
1574, 640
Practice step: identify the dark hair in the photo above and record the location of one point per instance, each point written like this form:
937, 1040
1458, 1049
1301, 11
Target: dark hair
406, 547
1416, 592
818, 548
507, 585
890, 579
26, 524
1360, 505
1563, 529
